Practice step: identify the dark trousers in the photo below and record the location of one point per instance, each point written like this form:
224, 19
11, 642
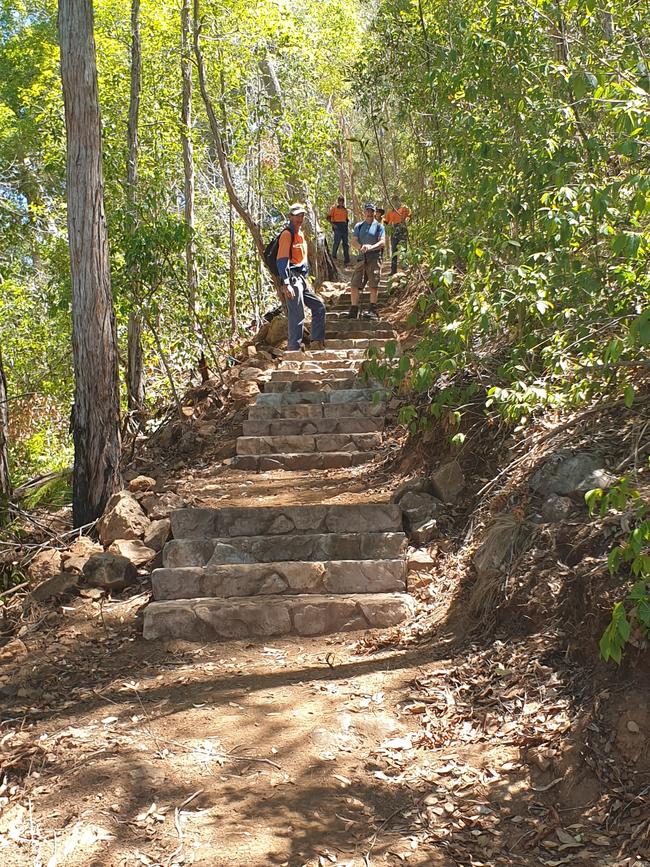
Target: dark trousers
303, 297
398, 239
341, 237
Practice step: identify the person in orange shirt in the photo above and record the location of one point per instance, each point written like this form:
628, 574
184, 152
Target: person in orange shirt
338, 217
293, 269
397, 218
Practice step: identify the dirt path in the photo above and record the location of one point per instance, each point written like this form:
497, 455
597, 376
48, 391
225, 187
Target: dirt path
417, 745
336, 750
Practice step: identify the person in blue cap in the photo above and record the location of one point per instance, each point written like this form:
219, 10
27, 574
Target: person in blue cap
369, 239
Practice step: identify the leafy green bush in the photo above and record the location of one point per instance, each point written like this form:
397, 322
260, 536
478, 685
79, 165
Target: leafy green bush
633, 558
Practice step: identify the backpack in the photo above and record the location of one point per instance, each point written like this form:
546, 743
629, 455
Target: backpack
270, 254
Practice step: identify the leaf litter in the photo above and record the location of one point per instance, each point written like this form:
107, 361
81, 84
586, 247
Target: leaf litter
499, 754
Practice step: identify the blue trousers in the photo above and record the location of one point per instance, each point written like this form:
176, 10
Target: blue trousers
303, 297
341, 237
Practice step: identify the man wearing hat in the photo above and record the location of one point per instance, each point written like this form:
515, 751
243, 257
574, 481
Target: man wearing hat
369, 238
293, 268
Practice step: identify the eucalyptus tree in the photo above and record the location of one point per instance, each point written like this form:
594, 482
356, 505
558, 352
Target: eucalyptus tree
96, 410
5, 478
135, 387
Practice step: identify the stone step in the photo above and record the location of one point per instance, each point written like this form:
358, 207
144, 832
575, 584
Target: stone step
339, 313
342, 306
382, 295
350, 342
304, 443
317, 385
265, 616
360, 324
296, 461
336, 396
358, 332
326, 364
318, 355
280, 578
331, 375
316, 425
180, 553
315, 411
195, 523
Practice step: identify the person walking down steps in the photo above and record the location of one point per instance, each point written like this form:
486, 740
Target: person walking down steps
293, 270
369, 238
338, 217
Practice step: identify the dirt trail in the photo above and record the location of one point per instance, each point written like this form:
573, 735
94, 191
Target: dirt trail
418, 745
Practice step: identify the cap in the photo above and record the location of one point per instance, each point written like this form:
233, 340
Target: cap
369, 206
296, 209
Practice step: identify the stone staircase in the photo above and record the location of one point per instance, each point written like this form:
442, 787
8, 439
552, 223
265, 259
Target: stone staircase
238, 572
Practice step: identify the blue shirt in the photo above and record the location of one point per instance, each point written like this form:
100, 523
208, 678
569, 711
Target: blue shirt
369, 234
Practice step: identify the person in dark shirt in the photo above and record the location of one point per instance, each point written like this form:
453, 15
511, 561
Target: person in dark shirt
369, 238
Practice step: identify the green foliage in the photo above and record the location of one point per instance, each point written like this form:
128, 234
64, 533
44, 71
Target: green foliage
53, 493
312, 46
632, 558
526, 166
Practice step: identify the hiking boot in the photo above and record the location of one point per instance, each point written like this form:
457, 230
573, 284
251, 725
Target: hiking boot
353, 312
317, 344
371, 313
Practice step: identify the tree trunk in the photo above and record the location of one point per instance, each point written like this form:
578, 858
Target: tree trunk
215, 131
96, 411
232, 274
322, 264
135, 364
188, 155
5, 480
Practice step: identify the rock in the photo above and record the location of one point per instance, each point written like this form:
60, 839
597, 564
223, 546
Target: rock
251, 351
109, 571
417, 559
557, 509
158, 533
448, 481
45, 564
248, 373
225, 553
277, 332
63, 584
206, 429
162, 506
134, 550
417, 485
568, 473
424, 532
123, 518
418, 508
78, 554
142, 483
243, 389
169, 434
497, 548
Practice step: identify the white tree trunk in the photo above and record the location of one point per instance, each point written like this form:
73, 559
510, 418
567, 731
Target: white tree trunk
96, 411
188, 155
135, 365
5, 479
